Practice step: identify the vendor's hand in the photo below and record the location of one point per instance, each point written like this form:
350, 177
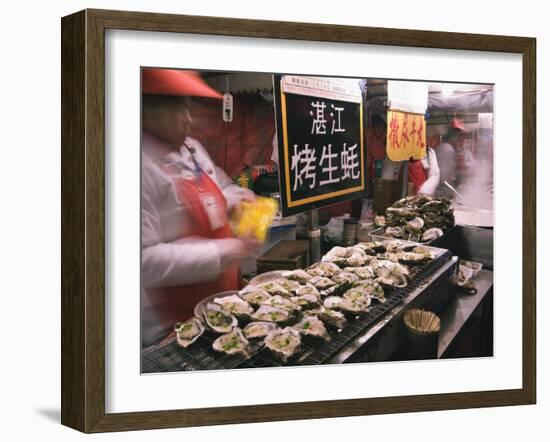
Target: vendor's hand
233, 250
246, 196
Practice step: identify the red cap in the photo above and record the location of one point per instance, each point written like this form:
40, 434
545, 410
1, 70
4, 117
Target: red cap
458, 125
174, 82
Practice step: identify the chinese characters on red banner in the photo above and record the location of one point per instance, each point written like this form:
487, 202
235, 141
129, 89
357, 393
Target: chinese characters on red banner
335, 164
406, 136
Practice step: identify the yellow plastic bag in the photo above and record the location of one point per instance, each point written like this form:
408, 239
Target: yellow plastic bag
256, 217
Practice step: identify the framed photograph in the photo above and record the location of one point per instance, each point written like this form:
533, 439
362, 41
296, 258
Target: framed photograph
267, 220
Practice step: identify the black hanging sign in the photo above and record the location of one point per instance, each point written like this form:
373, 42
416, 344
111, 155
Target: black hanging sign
322, 160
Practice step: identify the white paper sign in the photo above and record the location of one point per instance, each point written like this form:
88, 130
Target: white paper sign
408, 96
344, 89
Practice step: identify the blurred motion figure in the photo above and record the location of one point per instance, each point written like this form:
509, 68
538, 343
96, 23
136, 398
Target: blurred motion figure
187, 246
446, 157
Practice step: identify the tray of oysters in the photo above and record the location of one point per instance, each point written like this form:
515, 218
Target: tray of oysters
282, 308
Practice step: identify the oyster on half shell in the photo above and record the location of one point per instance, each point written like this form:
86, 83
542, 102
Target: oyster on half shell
355, 306
288, 284
271, 314
321, 282
232, 343
336, 290
283, 303
413, 258
331, 317
218, 319
308, 289
306, 301
274, 288
284, 343
235, 305
312, 326
356, 259
322, 269
188, 332
259, 329
393, 280
344, 276
358, 294
255, 297
362, 272
297, 275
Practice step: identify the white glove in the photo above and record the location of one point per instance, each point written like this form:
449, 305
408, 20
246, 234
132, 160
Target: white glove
430, 185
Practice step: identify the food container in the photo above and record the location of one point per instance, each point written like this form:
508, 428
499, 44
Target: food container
475, 266
363, 231
349, 236
422, 333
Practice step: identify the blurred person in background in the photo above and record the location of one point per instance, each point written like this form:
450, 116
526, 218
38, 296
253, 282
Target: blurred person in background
187, 246
447, 159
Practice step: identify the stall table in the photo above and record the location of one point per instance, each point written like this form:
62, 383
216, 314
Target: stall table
460, 310
381, 341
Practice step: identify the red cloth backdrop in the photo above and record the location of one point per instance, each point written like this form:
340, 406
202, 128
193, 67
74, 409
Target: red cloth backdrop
245, 140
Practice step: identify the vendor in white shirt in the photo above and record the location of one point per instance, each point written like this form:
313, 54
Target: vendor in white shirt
188, 249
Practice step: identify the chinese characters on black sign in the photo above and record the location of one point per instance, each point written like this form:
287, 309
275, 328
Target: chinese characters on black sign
320, 151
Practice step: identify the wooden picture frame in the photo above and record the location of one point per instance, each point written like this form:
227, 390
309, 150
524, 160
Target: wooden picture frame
83, 219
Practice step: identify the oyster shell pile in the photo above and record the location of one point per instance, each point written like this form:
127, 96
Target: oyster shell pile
418, 218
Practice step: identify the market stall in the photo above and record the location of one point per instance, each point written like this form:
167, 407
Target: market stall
307, 300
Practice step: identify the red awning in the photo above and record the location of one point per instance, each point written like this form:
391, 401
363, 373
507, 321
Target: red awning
175, 82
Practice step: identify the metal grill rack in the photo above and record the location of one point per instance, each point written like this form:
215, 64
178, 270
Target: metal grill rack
200, 356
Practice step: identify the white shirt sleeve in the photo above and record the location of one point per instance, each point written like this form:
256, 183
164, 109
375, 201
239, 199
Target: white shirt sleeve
182, 262
165, 264
429, 186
